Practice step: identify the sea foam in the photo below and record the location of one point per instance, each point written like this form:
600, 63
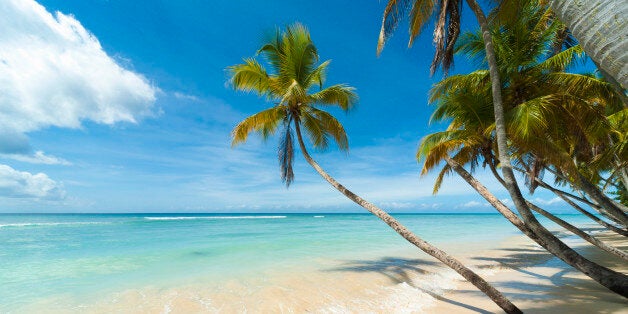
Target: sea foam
41, 224
213, 217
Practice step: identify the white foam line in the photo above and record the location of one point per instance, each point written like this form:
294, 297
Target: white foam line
37, 224
214, 217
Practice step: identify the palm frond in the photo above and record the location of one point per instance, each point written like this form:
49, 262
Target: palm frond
420, 14
286, 154
439, 179
249, 76
264, 122
562, 60
318, 75
341, 95
314, 129
330, 126
393, 13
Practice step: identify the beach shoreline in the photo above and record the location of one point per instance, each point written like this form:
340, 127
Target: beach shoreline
400, 281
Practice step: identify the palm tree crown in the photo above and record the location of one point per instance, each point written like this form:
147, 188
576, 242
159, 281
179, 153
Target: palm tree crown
446, 30
294, 85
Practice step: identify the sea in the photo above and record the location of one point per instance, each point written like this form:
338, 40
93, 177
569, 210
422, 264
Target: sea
103, 262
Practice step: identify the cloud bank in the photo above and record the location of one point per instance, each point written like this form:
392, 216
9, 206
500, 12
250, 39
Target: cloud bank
19, 184
55, 73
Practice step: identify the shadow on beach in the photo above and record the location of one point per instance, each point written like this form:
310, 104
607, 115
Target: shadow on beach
531, 277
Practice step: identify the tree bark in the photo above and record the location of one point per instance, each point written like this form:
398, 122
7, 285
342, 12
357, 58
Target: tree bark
601, 28
612, 280
618, 282
426, 247
606, 203
585, 236
561, 194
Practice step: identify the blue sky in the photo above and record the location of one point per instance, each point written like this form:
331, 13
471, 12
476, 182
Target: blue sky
123, 106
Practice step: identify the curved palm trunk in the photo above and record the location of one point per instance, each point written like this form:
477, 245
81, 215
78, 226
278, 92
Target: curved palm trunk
614, 281
582, 210
617, 281
582, 198
601, 28
585, 236
426, 247
599, 197
514, 219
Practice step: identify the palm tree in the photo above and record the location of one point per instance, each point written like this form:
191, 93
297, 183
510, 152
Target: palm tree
290, 85
600, 26
470, 118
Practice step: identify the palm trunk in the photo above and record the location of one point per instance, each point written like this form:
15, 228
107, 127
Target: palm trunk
515, 219
426, 247
582, 210
585, 236
601, 28
614, 281
582, 198
599, 197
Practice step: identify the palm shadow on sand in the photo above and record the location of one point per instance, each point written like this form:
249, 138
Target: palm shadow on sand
542, 289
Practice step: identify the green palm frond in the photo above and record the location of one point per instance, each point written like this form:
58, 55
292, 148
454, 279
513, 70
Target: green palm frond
249, 76
330, 126
562, 60
264, 122
532, 117
584, 86
341, 95
433, 148
451, 84
318, 75
314, 129
293, 74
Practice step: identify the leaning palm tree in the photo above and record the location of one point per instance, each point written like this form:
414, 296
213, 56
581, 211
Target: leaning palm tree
292, 87
457, 96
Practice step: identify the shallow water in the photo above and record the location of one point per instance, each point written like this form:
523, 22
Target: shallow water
81, 261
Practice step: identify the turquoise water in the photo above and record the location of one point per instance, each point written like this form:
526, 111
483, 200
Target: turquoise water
44, 256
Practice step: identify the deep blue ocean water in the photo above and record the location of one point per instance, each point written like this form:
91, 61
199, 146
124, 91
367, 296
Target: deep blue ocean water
44, 256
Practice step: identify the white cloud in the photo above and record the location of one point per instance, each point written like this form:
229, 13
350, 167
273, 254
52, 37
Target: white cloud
38, 158
19, 184
542, 201
474, 204
55, 73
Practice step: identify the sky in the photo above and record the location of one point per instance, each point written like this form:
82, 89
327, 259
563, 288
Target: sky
123, 106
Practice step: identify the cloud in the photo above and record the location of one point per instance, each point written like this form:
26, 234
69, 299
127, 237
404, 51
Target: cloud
542, 201
38, 158
19, 184
55, 73
474, 204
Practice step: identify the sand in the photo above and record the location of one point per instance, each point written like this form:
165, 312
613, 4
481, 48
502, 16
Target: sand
537, 282
407, 281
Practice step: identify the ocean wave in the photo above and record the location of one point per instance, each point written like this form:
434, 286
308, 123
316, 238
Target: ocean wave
40, 224
319, 216
213, 217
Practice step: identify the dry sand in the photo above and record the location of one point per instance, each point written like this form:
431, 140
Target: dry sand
537, 282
